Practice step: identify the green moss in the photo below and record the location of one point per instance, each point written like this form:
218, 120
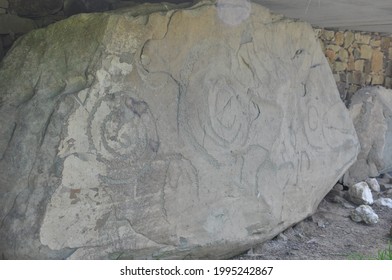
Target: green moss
47, 61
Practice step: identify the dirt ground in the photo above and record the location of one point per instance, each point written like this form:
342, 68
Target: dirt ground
330, 234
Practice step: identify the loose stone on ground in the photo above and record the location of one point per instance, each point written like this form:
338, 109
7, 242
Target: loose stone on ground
364, 213
360, 194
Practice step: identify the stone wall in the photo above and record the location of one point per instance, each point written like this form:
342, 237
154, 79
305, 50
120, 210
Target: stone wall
357, 59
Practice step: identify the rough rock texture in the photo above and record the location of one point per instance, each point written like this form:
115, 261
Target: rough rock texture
360, 193
373, 184
35, 8
187, 133
371, 112
384, 202
358, 59
364, 213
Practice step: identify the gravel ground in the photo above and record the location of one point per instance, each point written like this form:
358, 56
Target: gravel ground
330, 234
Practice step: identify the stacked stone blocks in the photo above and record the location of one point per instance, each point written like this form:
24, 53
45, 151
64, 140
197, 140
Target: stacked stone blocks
357, 59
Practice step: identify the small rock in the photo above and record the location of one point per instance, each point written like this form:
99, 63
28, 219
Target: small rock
312, 241
364, 213
321, 224
338, 187
360, 194
282, 237
384, 202
373, 184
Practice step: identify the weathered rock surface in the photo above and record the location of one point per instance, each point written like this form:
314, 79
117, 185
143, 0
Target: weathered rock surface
371, 112
384, 201
364, 213
373, 184
360, 193
35, 8
176, 134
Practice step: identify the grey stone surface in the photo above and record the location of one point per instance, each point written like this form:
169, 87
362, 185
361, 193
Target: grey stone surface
371, 112
172, 135
384, 202
364, 213
373, 184
12, 24
35, 8
360, 193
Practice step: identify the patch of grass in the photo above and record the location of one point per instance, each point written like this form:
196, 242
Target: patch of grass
358, 256
385, 254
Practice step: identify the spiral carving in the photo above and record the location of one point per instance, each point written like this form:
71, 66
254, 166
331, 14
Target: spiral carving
122, 131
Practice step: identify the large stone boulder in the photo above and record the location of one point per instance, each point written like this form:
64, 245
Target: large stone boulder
371, 112
166, 133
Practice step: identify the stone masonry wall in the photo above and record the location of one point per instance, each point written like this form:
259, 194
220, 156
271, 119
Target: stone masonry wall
357, 59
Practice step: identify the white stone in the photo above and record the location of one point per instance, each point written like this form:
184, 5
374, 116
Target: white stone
360, 194
373, 184
364, 213
384, 202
